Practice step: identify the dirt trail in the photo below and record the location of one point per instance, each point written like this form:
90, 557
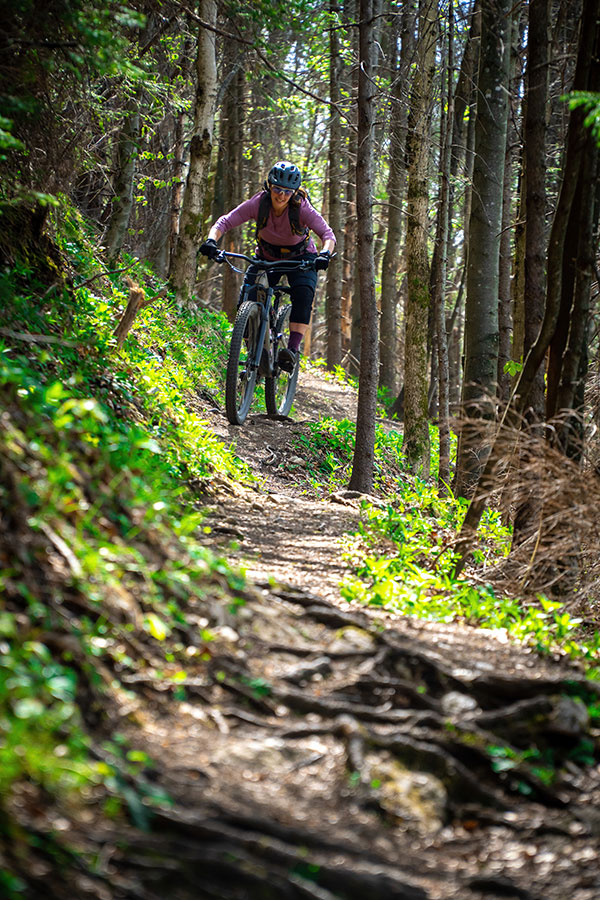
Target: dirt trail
337, 752
283, 531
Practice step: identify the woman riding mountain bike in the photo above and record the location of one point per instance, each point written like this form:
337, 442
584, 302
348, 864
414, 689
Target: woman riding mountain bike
284, 219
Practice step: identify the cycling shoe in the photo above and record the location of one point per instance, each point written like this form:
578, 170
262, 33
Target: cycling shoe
287, 359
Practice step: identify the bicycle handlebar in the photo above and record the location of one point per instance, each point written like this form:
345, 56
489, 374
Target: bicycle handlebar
266, 263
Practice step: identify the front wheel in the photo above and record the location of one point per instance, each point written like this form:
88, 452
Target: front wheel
241, 373
280, 390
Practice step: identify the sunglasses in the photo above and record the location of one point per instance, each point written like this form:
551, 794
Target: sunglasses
279, 190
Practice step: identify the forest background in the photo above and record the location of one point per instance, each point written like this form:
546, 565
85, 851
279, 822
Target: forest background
453, 147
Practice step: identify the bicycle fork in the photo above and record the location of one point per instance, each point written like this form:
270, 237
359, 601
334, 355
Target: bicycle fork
263, 342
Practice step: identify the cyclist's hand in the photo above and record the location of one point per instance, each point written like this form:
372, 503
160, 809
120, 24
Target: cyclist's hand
322, 260
209, 248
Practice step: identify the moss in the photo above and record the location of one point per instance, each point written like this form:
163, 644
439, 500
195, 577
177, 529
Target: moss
25, 244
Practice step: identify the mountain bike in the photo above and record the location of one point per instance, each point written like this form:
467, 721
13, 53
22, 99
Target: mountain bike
260, 329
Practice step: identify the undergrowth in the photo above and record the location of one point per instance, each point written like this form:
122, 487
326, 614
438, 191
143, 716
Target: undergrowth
403, 555
328, 449
103, 465
403, 559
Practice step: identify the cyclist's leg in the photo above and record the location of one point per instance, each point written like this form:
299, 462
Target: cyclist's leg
302, 293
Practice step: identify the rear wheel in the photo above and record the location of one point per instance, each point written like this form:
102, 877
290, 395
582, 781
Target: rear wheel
241, 374
280, 390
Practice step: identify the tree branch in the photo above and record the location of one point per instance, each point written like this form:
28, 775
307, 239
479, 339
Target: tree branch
269, 65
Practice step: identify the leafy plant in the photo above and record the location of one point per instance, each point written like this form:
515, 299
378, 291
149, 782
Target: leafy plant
403, 560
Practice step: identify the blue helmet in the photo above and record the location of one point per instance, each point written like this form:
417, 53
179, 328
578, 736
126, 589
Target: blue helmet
285, 175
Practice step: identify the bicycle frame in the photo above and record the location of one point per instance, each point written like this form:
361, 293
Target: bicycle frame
259, 326
268, 292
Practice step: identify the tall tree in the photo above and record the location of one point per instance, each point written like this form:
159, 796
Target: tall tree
232, 177
481, 321
334, 274
127, 153
576, 168
535, 193
183, 270
395, 190
416, 418
439, 279
364, 453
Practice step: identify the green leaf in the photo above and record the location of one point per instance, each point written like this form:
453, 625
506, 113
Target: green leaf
156, 627
28, 708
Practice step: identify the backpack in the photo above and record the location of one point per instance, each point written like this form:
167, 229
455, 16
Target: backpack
264, 208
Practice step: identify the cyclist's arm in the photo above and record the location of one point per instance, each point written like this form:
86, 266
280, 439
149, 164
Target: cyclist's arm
243, 213
315, 221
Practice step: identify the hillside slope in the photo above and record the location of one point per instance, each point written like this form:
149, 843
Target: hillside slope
175, 726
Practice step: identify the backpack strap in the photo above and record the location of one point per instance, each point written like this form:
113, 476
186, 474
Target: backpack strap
264, 209
294, 215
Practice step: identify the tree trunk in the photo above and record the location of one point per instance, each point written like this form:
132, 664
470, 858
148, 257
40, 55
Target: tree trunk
178, 183
505, 308
334, 273
439, 281
183, 274
351, 295
535, 202
364, 453
570, 391
232, 178
527, 515
395, 190
481, 320
416, 420
587, 77
127, 154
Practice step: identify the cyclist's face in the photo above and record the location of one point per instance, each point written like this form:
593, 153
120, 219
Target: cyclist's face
280, 197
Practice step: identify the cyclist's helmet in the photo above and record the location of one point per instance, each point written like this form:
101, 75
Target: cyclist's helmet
285, 175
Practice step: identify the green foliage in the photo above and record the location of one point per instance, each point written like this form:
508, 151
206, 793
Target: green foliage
7, 141
403, 560
589, 102
40, 732
328, 450
512, 368
102, 456
338, 375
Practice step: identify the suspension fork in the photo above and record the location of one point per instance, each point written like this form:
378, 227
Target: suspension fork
265, 307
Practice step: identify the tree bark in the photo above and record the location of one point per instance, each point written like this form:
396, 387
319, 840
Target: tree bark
481, 321
569, 434
395, 190
232, 177
351, 294
364, 453
183, 273
127, 154
439, 280
535, 198
505, 308
587, 77
334, 273
416, 420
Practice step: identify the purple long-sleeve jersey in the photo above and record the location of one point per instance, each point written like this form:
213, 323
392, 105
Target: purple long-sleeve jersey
277, 229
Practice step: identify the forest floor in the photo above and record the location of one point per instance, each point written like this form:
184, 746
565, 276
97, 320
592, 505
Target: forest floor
337, 751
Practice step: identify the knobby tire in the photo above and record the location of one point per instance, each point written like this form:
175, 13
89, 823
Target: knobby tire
281, 389
241, 378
